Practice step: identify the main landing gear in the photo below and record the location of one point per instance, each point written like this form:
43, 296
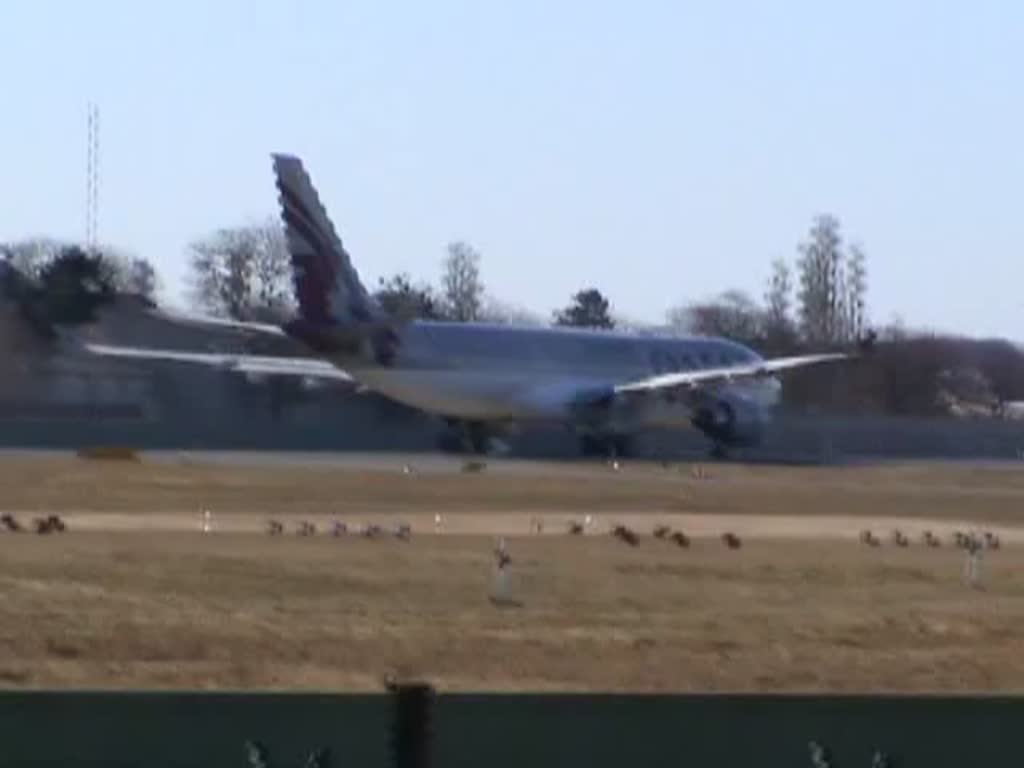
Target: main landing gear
466, 437
719, 451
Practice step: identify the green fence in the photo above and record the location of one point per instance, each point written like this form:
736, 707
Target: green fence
417, 729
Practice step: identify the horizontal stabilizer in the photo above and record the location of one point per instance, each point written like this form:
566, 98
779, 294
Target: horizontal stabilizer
268, 366
206, 321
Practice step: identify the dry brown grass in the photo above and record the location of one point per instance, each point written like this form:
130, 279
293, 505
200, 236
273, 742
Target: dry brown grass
124, 610
992, 493
172, 610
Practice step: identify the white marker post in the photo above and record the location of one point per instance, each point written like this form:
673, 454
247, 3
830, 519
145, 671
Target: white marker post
972, 566
501, 584
206, 524
501, 590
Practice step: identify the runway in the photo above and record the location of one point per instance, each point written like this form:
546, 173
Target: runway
442, 462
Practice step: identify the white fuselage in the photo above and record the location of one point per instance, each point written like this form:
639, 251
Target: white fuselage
499, 373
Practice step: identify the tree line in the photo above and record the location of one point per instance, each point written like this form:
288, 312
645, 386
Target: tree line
51, 283
244, 273
818, 302
815, 301
121, 270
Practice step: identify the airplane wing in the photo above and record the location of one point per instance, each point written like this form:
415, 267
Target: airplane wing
202, 321
128, 323
272, 366
694, 379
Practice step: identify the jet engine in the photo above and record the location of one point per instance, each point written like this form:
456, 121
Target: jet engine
731, 420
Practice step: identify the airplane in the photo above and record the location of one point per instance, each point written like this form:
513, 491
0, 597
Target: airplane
483, 379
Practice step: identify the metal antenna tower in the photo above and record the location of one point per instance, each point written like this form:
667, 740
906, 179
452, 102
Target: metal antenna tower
92, 179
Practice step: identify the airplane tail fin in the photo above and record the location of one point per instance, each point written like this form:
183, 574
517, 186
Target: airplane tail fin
327, 286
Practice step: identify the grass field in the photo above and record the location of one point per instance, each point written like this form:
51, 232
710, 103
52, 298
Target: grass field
991, 494
120, 602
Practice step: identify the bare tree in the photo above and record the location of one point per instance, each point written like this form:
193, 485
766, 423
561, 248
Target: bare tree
636, 326
894, 330
140, 278
461, 285
779, 329
399, 297
733, 315
821, 282
856, 293
129, 273
500, 312
124, 271
243, 272
274, 292
67, 289
29, 256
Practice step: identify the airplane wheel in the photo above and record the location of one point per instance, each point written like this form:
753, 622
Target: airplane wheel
720, 452
452, 439
464, 438
477, 439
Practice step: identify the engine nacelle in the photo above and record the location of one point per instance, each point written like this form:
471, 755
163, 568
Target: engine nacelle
731, 420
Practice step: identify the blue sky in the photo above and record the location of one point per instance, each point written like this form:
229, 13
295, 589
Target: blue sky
661, 151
